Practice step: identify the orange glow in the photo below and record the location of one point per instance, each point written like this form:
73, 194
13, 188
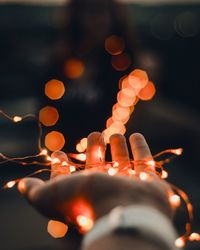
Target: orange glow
115, 164
164, 174
114, 45
72, 169
73, 68
117, 124
122, 130
147, 92
121, 62
85, 223
57, 229
194, 237
54, 89
124, 121
177, 151
17, 118
112, 171
54, 141
10, 184
80, 157
122, 81
138, 79
125, 99
143, 176
48, 116
83, 143
121, 113
180, 242
79, 148
175, 200
44, 152
109, 122
109, 132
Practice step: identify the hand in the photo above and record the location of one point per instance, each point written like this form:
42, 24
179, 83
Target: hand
94, 194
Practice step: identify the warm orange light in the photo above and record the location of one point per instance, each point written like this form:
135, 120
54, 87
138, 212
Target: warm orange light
138, 79
177, 151
180, 242
17, 118
121, 62
164, 174
81, 157
109, 122
194, 237
79, 148
44, 152
147, 92
114, 45
112, 171
126, 97
143, 176
10, 184
73, 68
109, 132
72, 169
48, 116
85, 223
175, 200
57, 229
121, 113
54, 141
83, 143
54, 89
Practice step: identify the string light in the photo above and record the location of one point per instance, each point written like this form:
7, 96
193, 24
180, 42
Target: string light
134, 86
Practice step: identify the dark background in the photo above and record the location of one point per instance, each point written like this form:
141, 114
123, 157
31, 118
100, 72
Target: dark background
34, 43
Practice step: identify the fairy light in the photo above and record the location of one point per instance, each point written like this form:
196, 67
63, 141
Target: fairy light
72, 169
57, 229
194, 237
133, 87
143, 176
85, 223
180, 242
112, 171
175, 200
17, 118
11, 184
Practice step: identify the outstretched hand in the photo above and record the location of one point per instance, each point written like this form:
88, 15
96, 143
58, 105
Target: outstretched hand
94, 194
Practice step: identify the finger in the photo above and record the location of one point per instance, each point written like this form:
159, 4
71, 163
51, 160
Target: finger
140, 150
59, 164
119, 150
95, 153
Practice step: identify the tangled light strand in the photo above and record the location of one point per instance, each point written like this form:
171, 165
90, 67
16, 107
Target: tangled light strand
132, 87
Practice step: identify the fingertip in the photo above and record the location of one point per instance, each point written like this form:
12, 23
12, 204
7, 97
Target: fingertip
27, 184
136, 137
116, 137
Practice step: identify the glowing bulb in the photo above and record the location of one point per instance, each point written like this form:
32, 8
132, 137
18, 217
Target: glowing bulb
10, 184
84, 223
79, 148
81, 157
115, 164
164, 174
17, 118
177, 151
54, 141
48, 116
131, 172
57, 229
83, 143
54, 89
44, 152
49, 158
64, 164
175, 200
112, 171
180, 242
143, 176
55, 161
194, 237
72, 169
151, 163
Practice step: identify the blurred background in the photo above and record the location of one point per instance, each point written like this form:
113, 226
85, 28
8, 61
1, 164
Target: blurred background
65, 40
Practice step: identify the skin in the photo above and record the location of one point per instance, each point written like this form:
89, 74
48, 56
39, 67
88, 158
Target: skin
63, 197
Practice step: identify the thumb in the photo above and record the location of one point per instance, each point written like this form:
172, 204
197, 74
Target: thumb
30, 187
